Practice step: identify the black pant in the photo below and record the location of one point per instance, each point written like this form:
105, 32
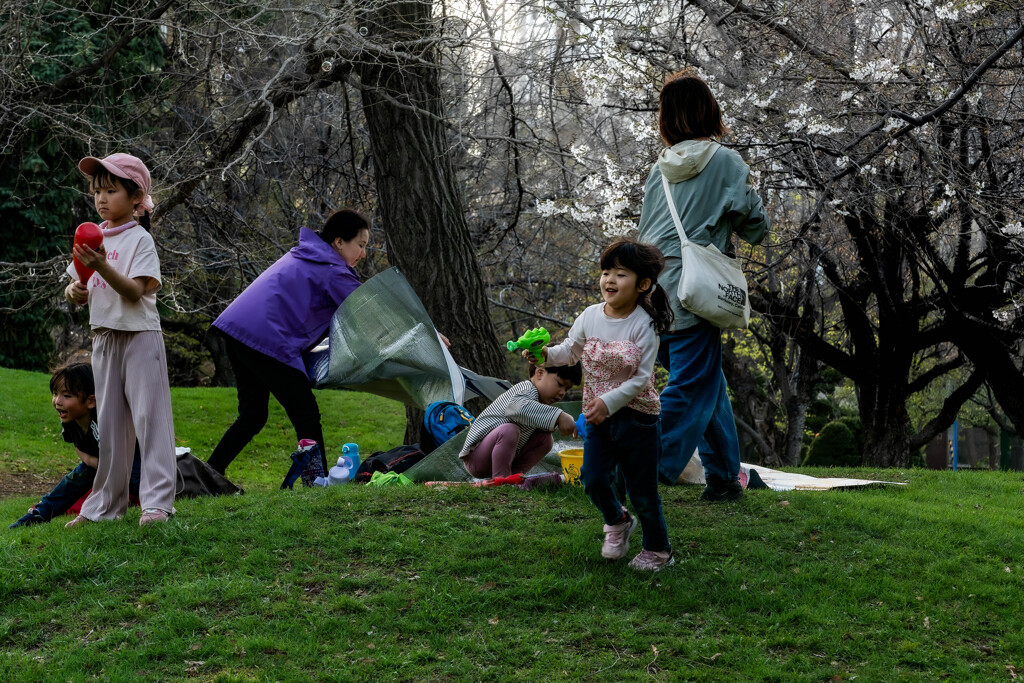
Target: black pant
257, 375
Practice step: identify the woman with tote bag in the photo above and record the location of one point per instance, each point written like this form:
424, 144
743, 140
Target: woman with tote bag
708, 187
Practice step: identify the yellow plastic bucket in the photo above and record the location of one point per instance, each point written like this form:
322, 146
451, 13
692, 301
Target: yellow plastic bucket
572, 461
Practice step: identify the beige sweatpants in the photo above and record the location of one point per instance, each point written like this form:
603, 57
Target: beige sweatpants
133, 400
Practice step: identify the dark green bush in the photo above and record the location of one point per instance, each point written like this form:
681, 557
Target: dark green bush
835, 446
857, 428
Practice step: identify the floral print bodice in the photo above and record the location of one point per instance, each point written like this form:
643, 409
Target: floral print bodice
609, 364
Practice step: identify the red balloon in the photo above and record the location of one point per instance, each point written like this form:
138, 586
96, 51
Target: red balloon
91, 235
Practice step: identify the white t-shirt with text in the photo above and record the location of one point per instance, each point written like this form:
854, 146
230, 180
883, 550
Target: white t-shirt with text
133, 254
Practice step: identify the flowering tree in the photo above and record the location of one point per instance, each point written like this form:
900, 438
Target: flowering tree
884, 136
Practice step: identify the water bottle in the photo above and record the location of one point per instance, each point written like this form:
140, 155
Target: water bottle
350, 456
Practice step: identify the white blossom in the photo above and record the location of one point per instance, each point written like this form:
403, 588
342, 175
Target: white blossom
547, 208
763, 102
1002, 316
641, 130
952, 11
798, 122
820, 127
579, 152
939, 208
837, 206
582, 214
882, 70
1014, 229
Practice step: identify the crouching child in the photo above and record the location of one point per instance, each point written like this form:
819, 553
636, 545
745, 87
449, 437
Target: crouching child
513, 434
74, 399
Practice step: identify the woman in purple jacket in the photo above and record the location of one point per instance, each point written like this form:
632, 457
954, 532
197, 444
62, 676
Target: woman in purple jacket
281, 314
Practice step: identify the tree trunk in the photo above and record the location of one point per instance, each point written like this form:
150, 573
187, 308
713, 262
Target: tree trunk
419, 200
796, 420
886, 427
754, 411
797, 389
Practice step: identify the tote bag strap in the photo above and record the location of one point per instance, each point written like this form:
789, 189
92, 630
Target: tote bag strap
675, 214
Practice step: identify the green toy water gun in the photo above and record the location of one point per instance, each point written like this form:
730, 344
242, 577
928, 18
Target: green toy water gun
533, 341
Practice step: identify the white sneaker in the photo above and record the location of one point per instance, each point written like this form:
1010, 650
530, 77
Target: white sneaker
652, 561
616, 538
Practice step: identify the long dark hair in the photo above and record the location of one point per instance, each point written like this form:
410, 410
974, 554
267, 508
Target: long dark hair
647, 261
104, 178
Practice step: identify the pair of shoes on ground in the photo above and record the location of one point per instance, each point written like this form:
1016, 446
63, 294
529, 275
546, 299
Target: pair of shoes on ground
616, 545
149, 516
719, 490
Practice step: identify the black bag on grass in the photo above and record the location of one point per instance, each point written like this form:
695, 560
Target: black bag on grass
398, 459
196, 478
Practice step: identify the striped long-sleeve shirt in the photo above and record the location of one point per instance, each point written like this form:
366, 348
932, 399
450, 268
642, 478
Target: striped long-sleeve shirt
520, 405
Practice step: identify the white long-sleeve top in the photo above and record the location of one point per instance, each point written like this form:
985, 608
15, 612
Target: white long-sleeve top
618, 357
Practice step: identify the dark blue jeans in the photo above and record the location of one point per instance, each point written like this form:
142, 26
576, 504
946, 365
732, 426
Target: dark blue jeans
695, 405
631, 441
73, 486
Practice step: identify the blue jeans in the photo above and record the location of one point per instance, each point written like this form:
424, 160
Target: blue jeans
76, 484
631, 441
695, 405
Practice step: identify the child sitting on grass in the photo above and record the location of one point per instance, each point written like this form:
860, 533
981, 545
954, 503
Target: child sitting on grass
74, 399
513, 434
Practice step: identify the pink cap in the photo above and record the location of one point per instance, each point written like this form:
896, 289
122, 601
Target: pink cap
123, 166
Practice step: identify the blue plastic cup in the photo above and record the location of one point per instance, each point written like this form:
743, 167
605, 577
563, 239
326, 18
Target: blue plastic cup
581, 426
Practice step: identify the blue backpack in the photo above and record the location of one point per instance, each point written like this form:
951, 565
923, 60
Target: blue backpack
441, 421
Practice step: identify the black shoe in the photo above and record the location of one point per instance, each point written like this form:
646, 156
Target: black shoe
27, 520
719, 490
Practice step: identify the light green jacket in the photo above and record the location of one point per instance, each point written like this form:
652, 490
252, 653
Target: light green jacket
711, 188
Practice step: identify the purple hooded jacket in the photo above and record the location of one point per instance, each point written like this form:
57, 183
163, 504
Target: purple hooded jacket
289, 306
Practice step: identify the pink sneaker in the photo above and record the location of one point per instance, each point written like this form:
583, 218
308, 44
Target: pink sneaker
652, 561
151, 515
77, 521
616, 538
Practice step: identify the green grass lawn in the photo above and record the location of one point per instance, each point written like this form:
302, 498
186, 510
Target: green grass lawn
921, 582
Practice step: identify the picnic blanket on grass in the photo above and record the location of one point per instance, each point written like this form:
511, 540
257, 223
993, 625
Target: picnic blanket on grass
755, 477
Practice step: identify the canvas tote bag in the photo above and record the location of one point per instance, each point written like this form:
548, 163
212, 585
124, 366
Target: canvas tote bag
712, 284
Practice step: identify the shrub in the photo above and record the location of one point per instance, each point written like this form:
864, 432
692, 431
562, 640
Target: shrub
835, 446
857, 428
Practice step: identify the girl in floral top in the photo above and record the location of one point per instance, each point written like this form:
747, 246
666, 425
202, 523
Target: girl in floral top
617, 341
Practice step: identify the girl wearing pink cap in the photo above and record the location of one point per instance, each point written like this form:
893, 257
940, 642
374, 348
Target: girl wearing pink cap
129, 361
